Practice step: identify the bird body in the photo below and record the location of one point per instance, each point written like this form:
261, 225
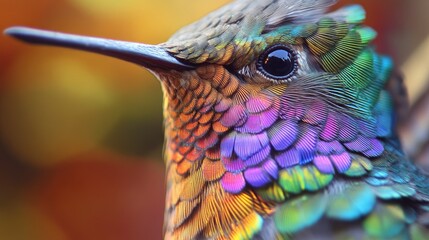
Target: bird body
279, 124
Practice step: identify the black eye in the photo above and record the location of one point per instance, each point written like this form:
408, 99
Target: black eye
277, 62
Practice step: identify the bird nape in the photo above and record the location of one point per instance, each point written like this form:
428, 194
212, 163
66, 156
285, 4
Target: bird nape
279, 124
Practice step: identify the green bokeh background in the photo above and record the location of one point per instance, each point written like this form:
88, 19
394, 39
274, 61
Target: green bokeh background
81, 134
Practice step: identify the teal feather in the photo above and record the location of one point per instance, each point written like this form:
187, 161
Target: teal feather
359, 74
394, 191
375, 181
367, 34
383, 111
379, 173
354, 14
355, 201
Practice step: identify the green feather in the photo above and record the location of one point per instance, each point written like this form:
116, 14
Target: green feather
360, 73
367, 34
298, 179
343, 53
300, 213
273, 193
329, 32
360, 166
386, 221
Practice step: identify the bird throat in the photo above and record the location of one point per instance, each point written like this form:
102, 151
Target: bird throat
200, 109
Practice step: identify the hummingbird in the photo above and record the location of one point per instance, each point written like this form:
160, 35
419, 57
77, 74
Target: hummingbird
280, 123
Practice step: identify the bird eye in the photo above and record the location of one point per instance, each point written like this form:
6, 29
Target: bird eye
277, 62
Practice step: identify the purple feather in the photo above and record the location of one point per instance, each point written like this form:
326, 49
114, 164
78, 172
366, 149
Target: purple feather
256, 177
360, 144
316, 113
376, 149
342, 162
330, 131
306, 144
348, 129
258, 104
291, 112
223, 105
233, 164
247, 145
283, 134
252, 125
323, 163
270, 166
258, 157
327, 148
234, 116
258, 122
269, 117
288, 158
233, 182
227, 145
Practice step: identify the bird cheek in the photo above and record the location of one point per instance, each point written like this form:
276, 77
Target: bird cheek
307, 62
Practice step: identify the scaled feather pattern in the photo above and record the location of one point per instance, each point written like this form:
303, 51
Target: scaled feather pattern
315, 156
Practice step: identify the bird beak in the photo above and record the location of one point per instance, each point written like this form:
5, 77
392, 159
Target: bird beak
149, 56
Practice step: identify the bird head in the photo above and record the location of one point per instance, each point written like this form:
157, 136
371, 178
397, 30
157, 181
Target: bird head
253, 92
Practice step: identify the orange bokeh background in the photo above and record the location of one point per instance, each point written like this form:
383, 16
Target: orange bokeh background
81, 134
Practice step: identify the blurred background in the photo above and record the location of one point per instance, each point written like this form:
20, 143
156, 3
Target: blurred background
81, 134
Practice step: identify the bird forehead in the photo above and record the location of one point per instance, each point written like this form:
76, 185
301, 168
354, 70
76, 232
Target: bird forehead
207, 40
270, 12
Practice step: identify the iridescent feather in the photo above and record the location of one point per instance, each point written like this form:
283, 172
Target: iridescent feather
302, 148
285, 159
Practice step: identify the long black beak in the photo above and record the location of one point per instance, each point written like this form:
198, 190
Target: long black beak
150, 56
